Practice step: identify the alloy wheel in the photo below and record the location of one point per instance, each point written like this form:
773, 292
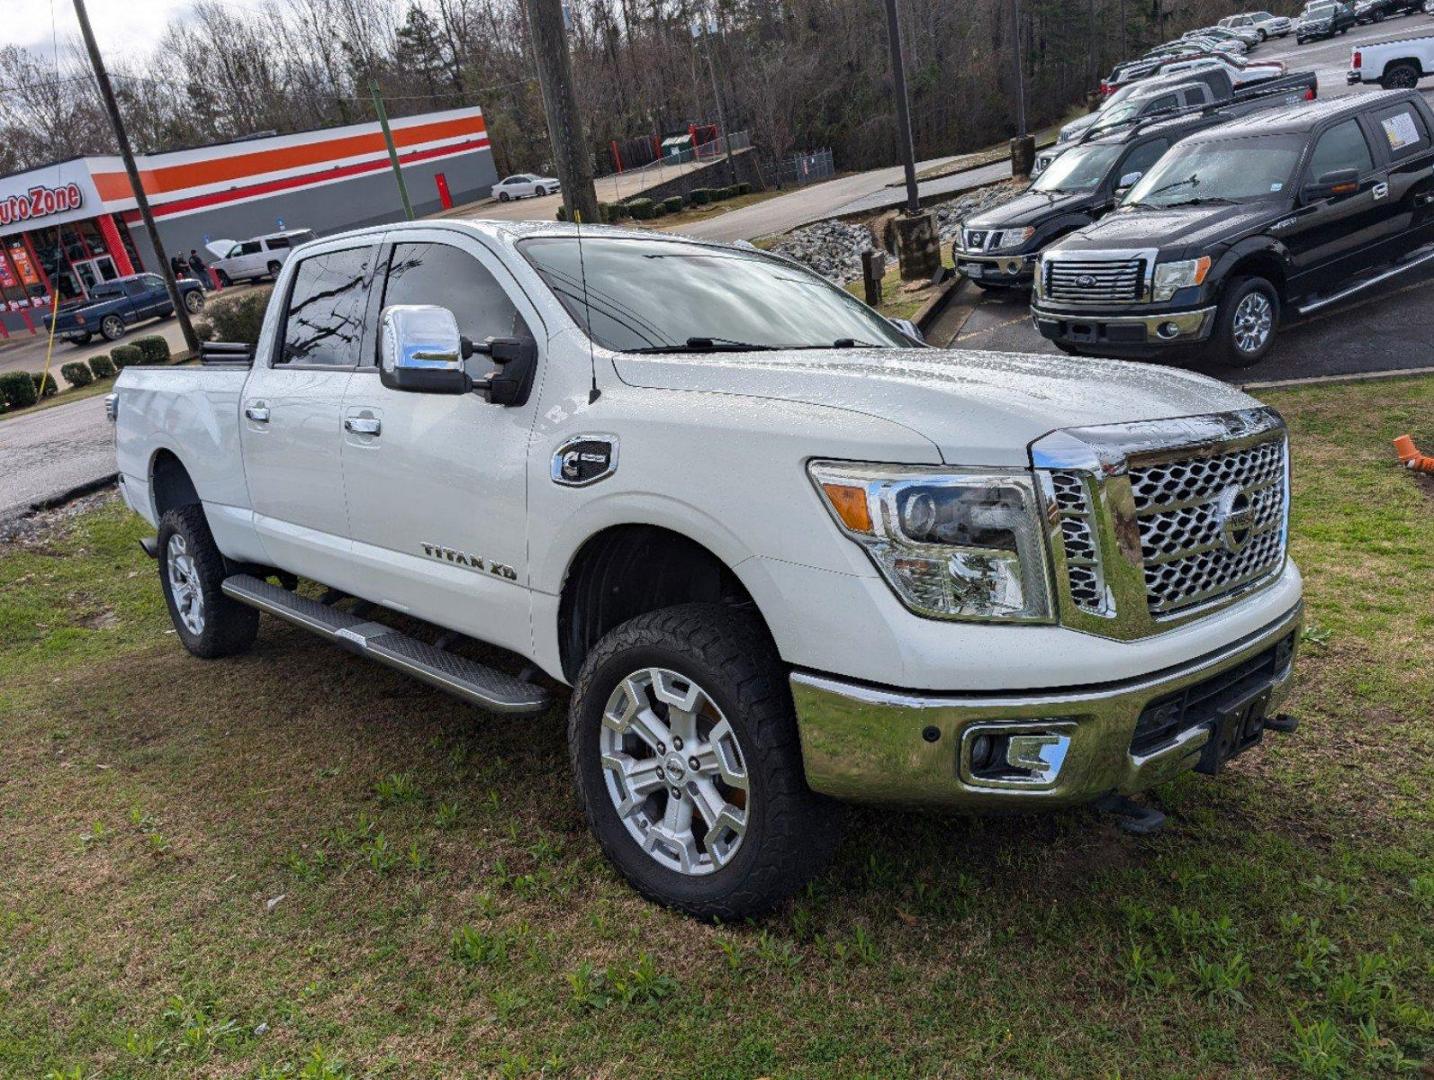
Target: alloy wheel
1254, 319
184, 585
674, 771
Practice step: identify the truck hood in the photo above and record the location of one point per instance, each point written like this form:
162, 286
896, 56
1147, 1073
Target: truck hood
219, 248
978, 408
1028, 208
1182, 226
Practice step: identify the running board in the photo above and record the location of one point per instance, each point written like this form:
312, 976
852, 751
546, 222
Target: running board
475, 683
1416, 259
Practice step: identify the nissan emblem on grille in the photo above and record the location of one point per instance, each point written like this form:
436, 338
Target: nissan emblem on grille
1235, 516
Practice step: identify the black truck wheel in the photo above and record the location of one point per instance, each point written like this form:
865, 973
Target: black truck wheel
1401, 76
688, 766
191, 571
1246, 322
112, 328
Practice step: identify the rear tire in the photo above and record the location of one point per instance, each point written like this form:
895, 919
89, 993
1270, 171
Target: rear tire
1246, 322
112, 328
274, 267
224, 279
1400, 77
741, 764
191, 571
80, 339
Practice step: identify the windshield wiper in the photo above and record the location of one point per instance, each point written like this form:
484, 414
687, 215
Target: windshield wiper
706, 344
1203, 200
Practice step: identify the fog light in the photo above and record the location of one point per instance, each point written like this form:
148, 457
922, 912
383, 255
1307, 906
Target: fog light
1168, 330
1016, 754
982, 755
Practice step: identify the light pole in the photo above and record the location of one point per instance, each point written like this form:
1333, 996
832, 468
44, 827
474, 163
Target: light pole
1023, 146
560, 103
903, 107
918, 246
708, 28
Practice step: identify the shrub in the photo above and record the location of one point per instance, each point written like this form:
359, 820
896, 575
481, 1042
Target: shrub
659, 209
17, 390
613, 212
45, 385
122, 356
562, 213
640, 208
699, 196
236, 318
77, 373
673, 203
102, 366
153, 349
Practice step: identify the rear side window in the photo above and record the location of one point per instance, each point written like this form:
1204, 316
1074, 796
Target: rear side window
452, 278
277, 242
136, 287
1403, 130
323, 324
1341, 147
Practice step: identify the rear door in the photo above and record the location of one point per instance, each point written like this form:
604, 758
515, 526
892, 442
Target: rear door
435, 471
1400, 132
291, 417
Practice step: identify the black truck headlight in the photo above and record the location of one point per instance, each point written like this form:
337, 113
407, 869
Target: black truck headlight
952, 545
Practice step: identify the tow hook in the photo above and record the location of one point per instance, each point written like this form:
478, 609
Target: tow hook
1283, 723
1130, 816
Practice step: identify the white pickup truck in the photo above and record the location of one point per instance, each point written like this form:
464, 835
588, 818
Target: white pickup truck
782, 552
1397, 64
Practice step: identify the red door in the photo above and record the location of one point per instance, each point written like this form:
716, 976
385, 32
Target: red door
443, 196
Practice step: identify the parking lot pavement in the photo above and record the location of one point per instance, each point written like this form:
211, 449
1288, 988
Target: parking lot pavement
1329, 59
1389, 329
54, 451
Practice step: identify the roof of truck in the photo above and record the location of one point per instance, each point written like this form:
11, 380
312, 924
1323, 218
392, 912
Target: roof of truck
1302, 118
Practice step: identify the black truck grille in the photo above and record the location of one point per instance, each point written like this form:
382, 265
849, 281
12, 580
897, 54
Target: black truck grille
1095, 282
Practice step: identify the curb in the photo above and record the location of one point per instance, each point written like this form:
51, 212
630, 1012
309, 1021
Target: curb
928, 312
1334, 380
51, 502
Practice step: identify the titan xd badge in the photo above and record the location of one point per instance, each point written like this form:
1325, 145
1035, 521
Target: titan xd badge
584, 460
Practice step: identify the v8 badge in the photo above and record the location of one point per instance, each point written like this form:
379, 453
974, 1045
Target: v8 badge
584, 460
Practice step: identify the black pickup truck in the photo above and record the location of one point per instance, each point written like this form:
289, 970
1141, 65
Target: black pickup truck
1271, 216
997, 248
114, 305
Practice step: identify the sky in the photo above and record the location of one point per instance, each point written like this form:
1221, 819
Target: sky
122, 27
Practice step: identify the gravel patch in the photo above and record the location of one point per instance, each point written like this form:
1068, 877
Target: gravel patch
44, 526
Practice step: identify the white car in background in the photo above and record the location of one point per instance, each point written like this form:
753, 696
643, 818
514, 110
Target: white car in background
1262, 22
521, 185
261, 256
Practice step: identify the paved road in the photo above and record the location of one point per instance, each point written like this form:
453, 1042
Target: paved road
52, 451
1330, 59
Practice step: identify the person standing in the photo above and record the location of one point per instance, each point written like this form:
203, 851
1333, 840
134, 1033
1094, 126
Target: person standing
196, 264
178, 267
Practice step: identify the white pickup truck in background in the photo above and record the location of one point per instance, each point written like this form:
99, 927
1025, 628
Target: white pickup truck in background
1397, 64
781, 551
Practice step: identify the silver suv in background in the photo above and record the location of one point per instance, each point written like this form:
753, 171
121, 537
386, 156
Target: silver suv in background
261, 256
1262, 22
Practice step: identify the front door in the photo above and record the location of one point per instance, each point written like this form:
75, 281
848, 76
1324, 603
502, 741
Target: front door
291, 416
93, 271
1331, 238
437, 483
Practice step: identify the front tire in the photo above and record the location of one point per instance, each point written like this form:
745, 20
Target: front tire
1246, 322
191, 571
540, 191
688, 766
503, 196
193, 302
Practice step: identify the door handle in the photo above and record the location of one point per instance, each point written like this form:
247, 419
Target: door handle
257, 413
363, 425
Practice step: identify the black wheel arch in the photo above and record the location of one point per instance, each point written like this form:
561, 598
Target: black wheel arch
1257, 257
629, 570
170, 485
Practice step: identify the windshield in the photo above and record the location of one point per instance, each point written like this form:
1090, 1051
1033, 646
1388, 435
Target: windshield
1319, 11
1080, 169
1229, 170
674, 296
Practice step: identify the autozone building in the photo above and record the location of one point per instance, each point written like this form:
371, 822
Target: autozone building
68, 226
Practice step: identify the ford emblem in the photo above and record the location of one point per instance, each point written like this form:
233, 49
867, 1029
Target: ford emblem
1085, 281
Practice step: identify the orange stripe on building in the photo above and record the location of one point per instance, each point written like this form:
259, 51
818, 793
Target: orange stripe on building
241, 166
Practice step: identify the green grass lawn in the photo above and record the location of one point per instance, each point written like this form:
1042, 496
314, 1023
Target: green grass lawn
298, 864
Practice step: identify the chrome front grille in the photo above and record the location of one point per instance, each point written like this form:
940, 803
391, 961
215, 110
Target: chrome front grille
1210, 525
1153, 523
1094, 281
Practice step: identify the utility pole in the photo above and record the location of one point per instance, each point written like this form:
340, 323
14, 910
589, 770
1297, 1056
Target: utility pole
708, 32
1020, 68
122, 137
903, 108
560, 103
392, 150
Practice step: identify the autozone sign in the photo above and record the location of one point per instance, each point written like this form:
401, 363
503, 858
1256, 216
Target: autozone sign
40, 202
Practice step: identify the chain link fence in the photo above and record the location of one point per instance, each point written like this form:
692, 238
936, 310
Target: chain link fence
805, 168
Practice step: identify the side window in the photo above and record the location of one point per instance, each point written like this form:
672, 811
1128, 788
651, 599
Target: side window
1142, 158
1161, 104
237, 249
250, 247
452, 278
135, 287
324, 320
1403, 129
1341, 147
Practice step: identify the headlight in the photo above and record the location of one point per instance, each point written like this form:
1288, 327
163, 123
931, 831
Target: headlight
1177, 275
950, 545
1013, 238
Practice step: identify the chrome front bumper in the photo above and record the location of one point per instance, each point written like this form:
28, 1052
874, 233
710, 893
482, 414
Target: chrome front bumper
1158, 329
870, 744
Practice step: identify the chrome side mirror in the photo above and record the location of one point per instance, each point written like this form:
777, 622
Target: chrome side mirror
909, 328
422, 351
